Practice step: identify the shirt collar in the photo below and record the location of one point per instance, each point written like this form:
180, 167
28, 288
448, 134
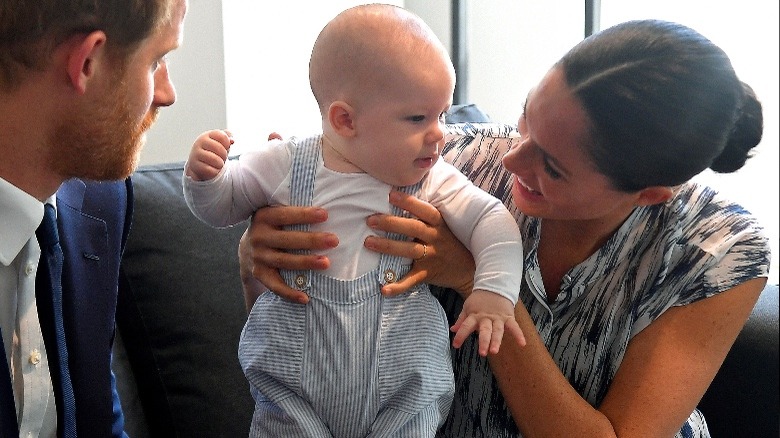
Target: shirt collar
20, 215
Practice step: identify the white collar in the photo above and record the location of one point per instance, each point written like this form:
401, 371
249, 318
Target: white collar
20, 215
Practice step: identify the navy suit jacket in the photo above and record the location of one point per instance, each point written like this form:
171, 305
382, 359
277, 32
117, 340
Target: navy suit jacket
93, 220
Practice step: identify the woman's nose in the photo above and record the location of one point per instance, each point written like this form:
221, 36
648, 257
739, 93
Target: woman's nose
519, 156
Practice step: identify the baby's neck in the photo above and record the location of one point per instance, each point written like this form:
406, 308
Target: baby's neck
334, 159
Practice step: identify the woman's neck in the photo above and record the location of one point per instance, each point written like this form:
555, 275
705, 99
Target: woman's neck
564, 244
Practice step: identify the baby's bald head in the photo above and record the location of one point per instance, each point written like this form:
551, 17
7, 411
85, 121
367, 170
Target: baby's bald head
363, 46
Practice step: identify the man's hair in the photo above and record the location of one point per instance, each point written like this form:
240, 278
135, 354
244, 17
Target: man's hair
31, 30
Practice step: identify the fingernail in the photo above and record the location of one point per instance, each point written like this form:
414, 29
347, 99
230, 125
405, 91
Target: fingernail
320, 215
332, 241
321, 262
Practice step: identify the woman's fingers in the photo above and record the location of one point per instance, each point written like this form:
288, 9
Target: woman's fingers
422, 210
276, 217
400, 248
275, 283
413, 278
269, 242
268, 238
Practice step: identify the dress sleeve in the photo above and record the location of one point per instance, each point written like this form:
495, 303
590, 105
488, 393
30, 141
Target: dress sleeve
476, 150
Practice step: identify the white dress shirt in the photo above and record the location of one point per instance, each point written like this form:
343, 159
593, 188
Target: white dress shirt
20, 215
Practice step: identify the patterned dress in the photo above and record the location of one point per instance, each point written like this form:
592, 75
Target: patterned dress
694, 246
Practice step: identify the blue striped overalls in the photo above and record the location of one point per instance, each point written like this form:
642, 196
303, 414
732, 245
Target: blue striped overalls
350, 363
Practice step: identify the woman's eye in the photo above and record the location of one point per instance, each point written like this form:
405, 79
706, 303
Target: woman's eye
521, 125
554, 174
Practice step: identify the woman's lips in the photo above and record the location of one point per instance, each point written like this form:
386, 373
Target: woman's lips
527, 192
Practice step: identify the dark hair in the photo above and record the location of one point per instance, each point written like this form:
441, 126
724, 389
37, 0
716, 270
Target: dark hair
30, 30
664, 104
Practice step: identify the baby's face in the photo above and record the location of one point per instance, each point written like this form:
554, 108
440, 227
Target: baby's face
400, 127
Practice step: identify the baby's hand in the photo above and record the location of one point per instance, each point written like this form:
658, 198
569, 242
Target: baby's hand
490, 315
208, 154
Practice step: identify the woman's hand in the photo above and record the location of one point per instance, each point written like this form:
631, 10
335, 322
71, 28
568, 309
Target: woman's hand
440, 258
251, 286
262, 250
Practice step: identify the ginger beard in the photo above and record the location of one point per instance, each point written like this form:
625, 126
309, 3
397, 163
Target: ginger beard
101, 140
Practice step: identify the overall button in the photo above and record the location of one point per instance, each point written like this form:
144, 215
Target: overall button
300, 281
390, 276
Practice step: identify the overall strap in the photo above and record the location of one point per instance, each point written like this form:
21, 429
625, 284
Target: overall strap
305, 158
392, 268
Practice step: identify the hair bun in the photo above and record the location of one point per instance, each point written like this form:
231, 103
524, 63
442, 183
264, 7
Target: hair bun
745, 135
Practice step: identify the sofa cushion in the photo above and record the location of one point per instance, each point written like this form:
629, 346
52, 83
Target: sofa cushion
181, 312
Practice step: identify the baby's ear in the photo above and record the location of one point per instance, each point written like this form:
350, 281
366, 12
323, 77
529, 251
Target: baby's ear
341, 118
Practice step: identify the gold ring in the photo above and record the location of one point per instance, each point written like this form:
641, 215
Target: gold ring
425, 252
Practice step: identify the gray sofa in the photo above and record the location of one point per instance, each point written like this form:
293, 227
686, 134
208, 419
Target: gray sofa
181, 312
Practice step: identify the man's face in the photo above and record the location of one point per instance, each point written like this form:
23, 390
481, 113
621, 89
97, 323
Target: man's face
102, 138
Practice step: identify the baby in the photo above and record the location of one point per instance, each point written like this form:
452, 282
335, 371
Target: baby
352, 362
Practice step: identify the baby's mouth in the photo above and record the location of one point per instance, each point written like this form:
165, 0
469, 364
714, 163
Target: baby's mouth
424, 163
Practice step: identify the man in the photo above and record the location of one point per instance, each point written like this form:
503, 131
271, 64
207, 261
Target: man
80, 83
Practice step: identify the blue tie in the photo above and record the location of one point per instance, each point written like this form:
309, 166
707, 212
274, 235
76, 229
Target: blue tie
49, 298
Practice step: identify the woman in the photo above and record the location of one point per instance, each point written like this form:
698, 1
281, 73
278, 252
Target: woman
637, 280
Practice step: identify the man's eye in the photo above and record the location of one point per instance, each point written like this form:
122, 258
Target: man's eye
157, 63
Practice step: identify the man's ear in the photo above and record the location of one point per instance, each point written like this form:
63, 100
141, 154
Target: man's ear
654, 195
341, 118
83, 55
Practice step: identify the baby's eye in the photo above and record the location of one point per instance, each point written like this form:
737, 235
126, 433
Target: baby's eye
418, 118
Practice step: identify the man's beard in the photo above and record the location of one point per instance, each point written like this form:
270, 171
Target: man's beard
100, 141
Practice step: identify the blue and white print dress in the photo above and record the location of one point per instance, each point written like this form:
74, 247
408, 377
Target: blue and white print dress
694, 246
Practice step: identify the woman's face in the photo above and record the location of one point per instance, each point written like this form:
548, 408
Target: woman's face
554, 176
